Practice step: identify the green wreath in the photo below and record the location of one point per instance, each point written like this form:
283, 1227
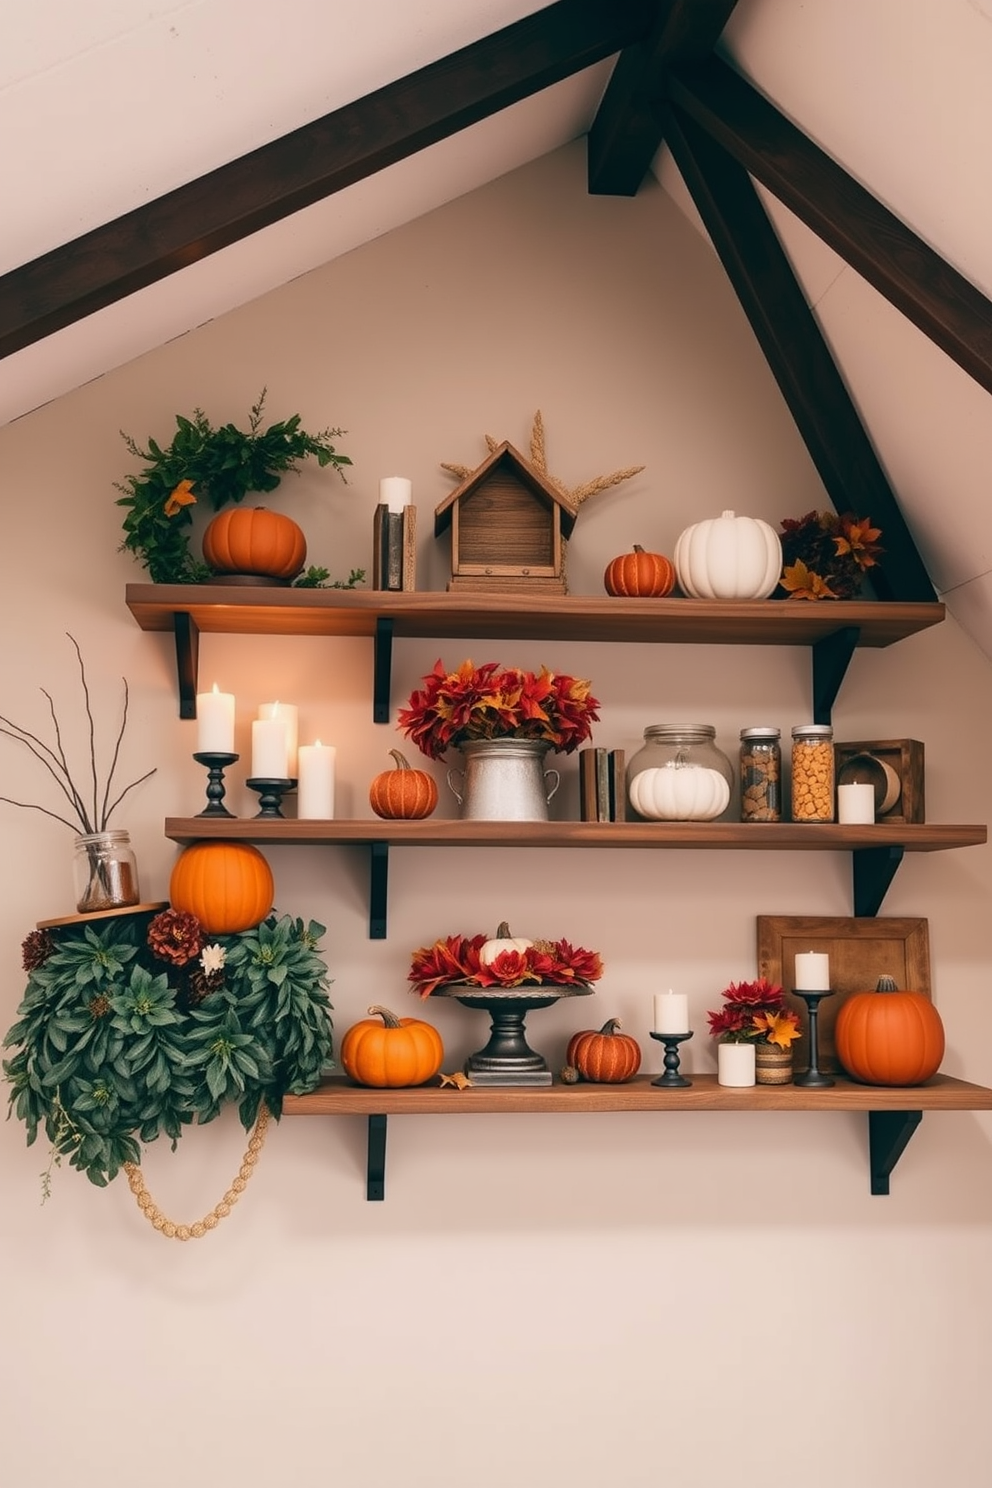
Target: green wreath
137, 1027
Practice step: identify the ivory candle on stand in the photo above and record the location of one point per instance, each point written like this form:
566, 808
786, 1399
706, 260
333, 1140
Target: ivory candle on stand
269, 751
856, 803
315, 795
215, 722
395, 491
813, 971
671, 1012
290, 717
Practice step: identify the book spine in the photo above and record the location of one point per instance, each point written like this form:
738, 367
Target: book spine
617, 771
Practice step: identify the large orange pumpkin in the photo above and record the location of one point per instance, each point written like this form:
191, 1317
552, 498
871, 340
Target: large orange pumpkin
253, 540
393, 1053
227, 885
889, 1037
640, 574
606, 1056
403, 792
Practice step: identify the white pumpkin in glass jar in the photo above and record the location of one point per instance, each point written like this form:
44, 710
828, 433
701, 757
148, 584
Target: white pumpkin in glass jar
728, 557
677, 792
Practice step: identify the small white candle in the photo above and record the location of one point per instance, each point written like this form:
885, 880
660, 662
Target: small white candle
856, 803
813, 971
671, 1012
268, 749
315, 800
215, 722
395, 492
290, 716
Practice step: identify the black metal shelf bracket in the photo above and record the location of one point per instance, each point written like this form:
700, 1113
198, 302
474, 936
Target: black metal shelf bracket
187, 660
888, 1134
378, 889
873, 869
382, 669
831, 656
376, 1181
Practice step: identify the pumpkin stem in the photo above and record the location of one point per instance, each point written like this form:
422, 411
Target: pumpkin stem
503, 931
401, 763
638, 548
886, 984
390, 1019
612, 1025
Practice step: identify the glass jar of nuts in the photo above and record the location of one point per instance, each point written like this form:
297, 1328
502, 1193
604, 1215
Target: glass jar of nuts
761, 775
813, 773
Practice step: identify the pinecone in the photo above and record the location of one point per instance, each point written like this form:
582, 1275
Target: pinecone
36, 949
200, 985
176, 936
99, 1006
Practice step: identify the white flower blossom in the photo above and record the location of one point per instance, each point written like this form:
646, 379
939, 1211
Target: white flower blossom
213, 958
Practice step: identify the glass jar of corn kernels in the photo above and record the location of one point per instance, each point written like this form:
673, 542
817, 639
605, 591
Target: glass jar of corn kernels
813, 773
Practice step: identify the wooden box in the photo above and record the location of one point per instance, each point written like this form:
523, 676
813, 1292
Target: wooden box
896, 769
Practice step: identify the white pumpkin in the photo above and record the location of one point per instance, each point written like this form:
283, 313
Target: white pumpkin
728, 557
502, 941
677, 792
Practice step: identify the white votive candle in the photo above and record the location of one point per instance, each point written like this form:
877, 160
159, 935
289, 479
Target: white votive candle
671, 1012
315, 795
215, 722
856, 803
289, 714
395, 491
269, 752
813, 971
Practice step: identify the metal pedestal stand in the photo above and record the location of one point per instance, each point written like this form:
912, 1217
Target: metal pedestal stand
508, 1059
672, 1079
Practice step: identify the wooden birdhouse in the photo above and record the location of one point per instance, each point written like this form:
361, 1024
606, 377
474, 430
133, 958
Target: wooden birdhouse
508, 527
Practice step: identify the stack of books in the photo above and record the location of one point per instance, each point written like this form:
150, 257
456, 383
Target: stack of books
602, 785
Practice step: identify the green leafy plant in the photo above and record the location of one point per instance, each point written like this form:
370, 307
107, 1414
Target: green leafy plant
218, 465
135, 1028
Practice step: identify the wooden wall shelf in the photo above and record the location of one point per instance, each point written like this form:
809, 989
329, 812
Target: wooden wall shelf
893, 1114
876, 850
832, 629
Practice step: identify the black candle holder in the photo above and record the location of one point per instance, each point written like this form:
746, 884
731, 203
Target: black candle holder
270, 792
813, 1078
216, 761
671, 1079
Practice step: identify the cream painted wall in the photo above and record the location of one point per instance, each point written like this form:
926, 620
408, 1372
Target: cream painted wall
718, 1294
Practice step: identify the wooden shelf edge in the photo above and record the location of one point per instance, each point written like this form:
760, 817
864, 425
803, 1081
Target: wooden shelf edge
337, 1097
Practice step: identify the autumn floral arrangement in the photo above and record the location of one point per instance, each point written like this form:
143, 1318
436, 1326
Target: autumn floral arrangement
503, 961
826, 556
754, 1012
496, 702
135, 1027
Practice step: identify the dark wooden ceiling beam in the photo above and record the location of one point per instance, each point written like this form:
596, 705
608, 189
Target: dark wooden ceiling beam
796, 351
627, 129
928, 291
312, 163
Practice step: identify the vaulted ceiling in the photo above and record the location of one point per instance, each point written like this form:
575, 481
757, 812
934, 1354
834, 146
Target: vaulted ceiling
166, 164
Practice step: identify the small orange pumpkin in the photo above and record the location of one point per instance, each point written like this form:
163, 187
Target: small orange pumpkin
227, 885
889, 1037
403, 792
606, 1056
393, 1053
253, 540
640, 575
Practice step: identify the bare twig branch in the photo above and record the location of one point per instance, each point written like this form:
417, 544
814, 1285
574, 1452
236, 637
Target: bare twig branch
30, 806
89, 715
68, 790
126, 789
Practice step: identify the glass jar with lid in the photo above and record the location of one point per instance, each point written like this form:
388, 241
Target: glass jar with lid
680, 746
104, 872
761, 774
813, 773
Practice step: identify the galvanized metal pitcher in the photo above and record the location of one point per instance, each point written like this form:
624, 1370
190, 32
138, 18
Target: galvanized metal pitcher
504, 780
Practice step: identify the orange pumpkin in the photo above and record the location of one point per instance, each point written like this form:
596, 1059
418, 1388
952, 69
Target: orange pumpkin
640, 574
403, 792
606, 1056
393, 1053
889, 1037
227, 885
252, 540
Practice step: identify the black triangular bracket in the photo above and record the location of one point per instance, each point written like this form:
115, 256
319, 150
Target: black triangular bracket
888, 1134
873, 870
831, 656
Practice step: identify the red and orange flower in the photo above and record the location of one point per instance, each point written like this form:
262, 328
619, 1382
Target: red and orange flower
754, 1012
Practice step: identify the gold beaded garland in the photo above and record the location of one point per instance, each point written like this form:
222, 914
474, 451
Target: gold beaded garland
220, 1211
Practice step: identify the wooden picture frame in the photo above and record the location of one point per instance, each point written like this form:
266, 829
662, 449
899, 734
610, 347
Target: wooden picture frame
861, 950
877, 761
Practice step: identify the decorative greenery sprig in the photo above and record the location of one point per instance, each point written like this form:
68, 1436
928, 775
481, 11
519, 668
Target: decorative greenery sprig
92, 813
120, 1040
219, 465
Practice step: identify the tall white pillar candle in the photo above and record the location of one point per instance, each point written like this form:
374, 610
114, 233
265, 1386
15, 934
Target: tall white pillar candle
671, 1012
315, 793
215, 722
269, 754
856, 803
395, 491
813, 971
290, 716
